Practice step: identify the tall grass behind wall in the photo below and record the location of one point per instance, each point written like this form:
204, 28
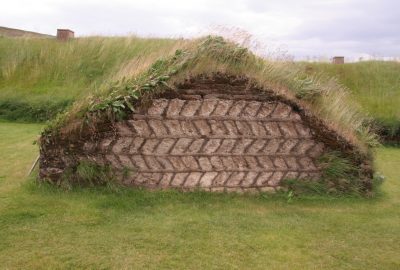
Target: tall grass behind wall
375, 85
40, 77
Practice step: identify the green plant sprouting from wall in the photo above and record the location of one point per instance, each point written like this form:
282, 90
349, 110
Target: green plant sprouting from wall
340, 172
339, 176
88, 174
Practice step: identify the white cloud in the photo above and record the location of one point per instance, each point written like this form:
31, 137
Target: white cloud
306, 28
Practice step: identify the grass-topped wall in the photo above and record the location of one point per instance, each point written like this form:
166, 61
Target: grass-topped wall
322, 105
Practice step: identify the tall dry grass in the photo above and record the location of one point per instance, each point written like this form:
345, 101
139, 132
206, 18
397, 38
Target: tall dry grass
375, 85
39, 77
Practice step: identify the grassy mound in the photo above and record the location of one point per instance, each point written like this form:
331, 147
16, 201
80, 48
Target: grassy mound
374, 85
41, 77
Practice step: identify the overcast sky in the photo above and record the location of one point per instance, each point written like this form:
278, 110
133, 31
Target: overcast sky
312, 28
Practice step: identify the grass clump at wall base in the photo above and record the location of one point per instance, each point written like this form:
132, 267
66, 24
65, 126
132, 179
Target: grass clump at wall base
375, 85
35, 71
88, 174
339, 176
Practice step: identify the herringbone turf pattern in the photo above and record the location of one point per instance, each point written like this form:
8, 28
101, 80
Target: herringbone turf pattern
212, 143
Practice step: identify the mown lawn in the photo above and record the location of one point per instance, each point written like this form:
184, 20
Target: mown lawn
45, 228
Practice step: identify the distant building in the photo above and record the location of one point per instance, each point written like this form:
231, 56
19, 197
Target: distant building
64, 34
338, 60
